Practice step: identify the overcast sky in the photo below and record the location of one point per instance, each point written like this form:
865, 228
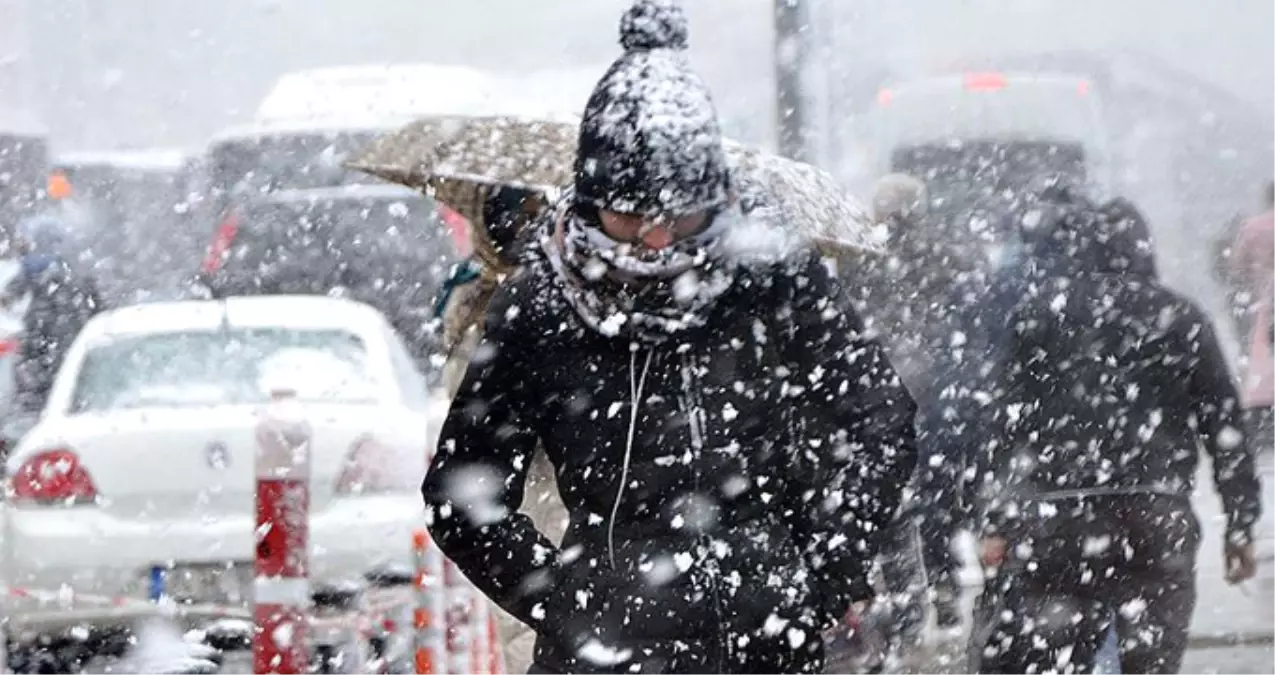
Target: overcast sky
110, 73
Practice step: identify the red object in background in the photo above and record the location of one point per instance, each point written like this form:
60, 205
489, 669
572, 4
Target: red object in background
9, 347
224, 237
457, 226
53, 477
984, 81
281, 592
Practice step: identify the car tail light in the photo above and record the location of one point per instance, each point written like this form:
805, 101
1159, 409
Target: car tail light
457, 226
884, 97
373, 468
1082, 87
52, 478
222, 239
984, 81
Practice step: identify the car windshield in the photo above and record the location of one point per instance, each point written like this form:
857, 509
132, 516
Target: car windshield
957, 173
311, 247
288, 161
229, 367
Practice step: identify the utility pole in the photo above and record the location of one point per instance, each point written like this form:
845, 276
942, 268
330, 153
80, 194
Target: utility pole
791, 53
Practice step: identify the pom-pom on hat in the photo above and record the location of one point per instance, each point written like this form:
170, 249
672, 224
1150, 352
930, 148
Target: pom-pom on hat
650, 142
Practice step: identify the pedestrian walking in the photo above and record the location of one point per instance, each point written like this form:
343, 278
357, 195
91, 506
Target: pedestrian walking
727, 442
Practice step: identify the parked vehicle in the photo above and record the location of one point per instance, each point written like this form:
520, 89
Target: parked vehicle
1002, 126
24, 163
135, 213
382, 244
144, 453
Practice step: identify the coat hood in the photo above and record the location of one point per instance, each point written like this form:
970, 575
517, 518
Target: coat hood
1067, 229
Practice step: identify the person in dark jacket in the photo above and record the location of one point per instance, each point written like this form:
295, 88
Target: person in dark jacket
906, 299
726, 442
62, 300
1107, 382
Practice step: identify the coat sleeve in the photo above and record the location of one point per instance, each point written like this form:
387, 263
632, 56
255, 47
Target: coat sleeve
1221, 429
475, 483
854, 434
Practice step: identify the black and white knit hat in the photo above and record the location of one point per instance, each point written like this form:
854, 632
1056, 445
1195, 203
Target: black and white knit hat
650, 142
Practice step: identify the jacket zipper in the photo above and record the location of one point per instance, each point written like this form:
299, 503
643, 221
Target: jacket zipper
694, 409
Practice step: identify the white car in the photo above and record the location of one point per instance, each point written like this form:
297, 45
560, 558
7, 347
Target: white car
144, 454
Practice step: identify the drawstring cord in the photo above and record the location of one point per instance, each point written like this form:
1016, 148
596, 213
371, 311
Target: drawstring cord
636, 385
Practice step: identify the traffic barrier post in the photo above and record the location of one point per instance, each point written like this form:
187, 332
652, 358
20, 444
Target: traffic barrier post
480, 657
460, 626
428, 629
497, 649
281, 591
6, 571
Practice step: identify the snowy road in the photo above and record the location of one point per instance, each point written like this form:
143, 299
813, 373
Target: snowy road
1230, 660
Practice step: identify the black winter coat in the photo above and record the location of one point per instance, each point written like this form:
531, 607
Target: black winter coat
1109, 383
725, 490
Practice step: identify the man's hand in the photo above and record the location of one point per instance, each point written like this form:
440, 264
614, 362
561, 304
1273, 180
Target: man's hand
1241, 563
992, 551
848, 624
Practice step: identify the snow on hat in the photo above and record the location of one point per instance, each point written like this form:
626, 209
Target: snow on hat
650, 142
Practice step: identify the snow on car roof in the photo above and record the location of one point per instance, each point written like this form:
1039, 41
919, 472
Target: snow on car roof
342, 192
381, 96
310, 125
291, 311
381, 89
162, 159
1010, 78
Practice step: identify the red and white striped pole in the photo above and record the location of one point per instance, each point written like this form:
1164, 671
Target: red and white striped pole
6, 585
480, 659
460, 623
428, 607
281, 593
497, 650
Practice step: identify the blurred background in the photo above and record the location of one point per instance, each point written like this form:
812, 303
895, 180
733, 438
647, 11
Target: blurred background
143, 117
1186, 86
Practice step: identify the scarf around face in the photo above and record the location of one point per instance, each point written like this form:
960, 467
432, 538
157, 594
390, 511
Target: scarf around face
622, 290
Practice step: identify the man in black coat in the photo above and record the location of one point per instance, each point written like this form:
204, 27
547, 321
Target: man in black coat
1104, 387
727, 444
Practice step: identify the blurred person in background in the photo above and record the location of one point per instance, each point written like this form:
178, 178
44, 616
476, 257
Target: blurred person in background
63, 297
904, 299
1104, 385
1252, 266
642, 357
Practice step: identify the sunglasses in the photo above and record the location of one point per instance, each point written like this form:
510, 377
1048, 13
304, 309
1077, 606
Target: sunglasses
633, 229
